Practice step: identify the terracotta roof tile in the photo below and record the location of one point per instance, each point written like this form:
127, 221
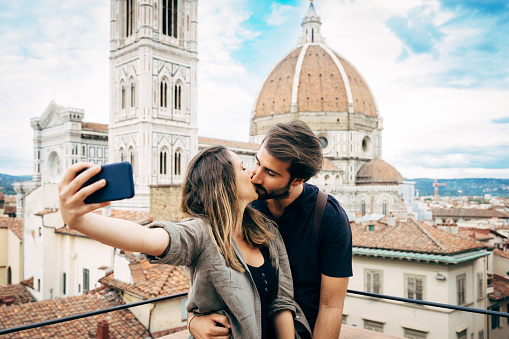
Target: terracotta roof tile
228, 143
500, 288
157, 281
467, 212
10, 199
413, 236
329, 165
18, 291
9, 209
378, 172
14, 224
28, 282
94, 126
122, 324
501, 253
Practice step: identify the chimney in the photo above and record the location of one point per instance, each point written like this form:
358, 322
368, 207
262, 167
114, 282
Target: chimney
103, 329
8, 300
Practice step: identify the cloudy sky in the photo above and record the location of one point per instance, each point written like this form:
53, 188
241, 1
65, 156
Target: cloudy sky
439, 71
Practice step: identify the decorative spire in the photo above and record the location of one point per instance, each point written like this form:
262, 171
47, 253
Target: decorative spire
311, 27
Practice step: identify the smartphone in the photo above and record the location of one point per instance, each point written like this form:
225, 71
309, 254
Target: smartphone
119, 183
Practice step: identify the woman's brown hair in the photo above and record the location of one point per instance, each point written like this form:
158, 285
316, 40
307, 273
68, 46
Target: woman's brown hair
210, 193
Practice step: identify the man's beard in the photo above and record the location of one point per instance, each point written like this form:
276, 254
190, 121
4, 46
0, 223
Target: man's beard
279, 193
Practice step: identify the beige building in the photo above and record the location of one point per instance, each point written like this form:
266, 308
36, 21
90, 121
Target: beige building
11, 247
409, 259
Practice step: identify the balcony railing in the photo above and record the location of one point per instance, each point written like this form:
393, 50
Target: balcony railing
179, 295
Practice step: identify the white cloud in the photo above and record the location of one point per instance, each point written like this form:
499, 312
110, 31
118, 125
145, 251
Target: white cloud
280, 14
226, 88
46, 59
418, 113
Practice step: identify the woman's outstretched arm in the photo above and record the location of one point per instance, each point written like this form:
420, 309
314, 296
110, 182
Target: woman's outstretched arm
114, 232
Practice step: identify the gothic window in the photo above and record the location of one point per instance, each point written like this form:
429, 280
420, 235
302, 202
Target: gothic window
133, 93
132, 158
363, 208
129, 18
122, 96
384, 208
170, 17
163, 161
178, 96
163, 93
177, 161
121, 153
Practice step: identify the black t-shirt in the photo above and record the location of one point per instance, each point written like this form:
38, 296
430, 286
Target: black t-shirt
296, 226
266, 283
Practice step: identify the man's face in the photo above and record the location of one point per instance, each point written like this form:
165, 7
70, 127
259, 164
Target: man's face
271, 176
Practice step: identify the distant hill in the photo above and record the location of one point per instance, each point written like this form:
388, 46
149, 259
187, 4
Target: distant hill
7, 182
465, 187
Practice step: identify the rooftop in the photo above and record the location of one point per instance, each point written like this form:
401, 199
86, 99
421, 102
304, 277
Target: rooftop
151, 281
18, 291
468, 213
122, 323
14, 224
411, 235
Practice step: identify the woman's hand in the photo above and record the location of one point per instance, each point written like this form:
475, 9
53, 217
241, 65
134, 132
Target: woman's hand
72, 205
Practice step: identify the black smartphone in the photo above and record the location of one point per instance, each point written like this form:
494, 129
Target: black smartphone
119, 183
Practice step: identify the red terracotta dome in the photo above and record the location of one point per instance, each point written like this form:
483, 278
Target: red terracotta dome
378, 172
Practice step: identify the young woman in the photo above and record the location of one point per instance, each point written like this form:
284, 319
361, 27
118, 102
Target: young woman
235, 257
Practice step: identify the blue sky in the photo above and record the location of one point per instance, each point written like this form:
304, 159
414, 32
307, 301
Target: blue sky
438, 69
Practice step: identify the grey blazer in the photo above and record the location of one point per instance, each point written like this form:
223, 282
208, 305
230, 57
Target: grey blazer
216, 288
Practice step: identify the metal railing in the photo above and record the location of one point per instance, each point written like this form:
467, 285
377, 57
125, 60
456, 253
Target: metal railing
179, 295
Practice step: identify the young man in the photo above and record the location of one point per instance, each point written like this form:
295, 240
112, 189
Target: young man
289, 156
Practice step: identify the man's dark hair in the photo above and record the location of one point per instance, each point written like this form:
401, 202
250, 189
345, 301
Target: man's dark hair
294, 142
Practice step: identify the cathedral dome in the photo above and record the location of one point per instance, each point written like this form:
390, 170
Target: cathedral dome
314, 78
378, 172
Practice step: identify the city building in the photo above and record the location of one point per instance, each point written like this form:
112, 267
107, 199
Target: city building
407, 258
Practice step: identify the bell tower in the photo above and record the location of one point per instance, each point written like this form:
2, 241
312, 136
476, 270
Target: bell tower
153, 85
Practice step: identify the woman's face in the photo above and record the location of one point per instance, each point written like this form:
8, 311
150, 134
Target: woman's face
246, 190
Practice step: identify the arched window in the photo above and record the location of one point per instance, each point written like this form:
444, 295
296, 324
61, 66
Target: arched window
384, 208
363, 208
177, 161
338, 181
132, 158
163, 162
121, 155
122, 96
133, 93
178, 96
129, 18
163, 91
9, 275
326, 179
170, 18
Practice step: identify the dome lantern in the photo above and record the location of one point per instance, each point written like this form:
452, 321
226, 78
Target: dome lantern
311, 27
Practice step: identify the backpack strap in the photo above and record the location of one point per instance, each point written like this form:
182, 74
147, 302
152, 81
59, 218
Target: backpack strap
321, 202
